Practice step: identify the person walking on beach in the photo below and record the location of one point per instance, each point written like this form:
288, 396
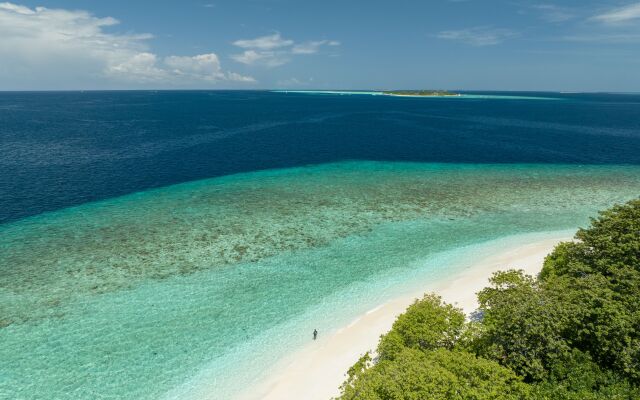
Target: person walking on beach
315, 334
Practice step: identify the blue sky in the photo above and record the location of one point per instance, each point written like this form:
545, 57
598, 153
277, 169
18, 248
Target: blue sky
330, 44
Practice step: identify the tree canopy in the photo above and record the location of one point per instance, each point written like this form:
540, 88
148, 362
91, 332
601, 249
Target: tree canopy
573, 332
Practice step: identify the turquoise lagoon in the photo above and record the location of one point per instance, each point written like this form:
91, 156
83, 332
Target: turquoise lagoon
195, 290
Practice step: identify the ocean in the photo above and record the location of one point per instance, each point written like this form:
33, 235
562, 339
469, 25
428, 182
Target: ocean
177, 244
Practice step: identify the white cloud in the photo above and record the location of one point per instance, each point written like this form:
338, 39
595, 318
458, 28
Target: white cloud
203, 66
308, 47
619, 15
236, 77
248, 57
16, 8
268, 42
273, 50
52, 47
554, 13
136, 67
266, 58
479, 36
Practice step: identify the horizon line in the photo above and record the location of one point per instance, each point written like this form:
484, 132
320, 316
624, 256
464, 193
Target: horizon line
308, 90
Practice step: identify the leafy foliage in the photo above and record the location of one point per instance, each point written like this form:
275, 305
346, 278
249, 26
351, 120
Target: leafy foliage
598, 279
522, 328
572, 333
427, 324
579, 378
435, 374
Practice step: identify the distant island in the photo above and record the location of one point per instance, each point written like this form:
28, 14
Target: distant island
430, 93
408, 93
419, 93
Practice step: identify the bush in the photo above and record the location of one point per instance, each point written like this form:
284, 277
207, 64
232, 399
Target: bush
435, 375
426, 325
572, 333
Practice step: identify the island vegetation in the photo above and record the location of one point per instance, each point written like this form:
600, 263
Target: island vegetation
419, 93
571, 333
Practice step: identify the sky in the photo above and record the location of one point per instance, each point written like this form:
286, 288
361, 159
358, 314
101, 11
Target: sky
571, 45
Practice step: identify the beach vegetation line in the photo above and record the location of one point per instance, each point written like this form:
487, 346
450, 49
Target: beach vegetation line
573, 332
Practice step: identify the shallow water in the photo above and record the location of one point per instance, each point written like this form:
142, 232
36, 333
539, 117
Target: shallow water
142, 255
134, 296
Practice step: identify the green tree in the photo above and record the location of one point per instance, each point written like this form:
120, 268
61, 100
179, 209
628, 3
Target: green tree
579, 378
597, 278
426, 325
435, 375
573, 333
521, 325
419, 359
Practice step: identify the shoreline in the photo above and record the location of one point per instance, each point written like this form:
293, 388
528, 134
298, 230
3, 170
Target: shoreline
422, 95
476, 96
316, 371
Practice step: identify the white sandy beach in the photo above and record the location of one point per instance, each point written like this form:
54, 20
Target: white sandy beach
316, 371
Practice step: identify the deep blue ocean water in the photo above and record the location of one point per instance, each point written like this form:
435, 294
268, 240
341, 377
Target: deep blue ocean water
175, 245
66, 148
